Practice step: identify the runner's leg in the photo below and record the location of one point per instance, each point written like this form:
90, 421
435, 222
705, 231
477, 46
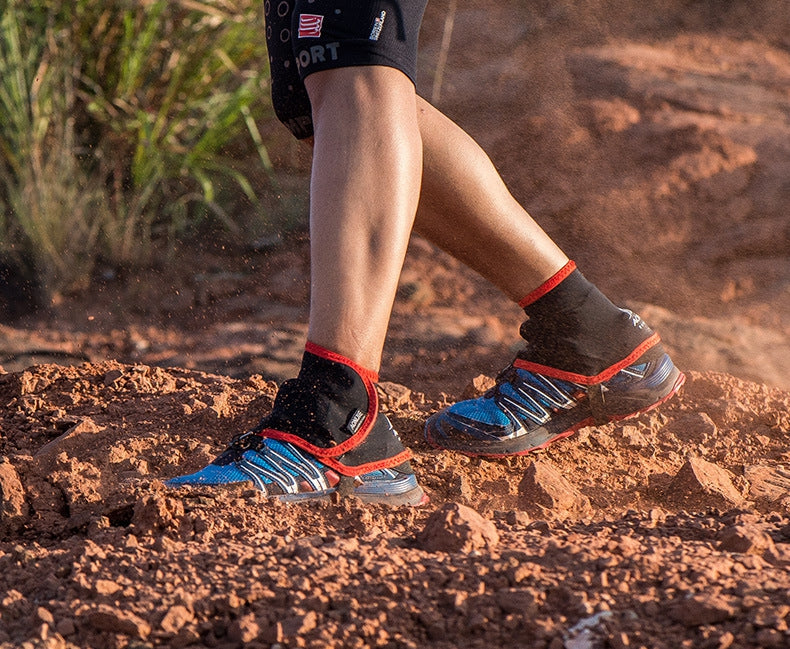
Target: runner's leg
326, 433
367, 166
466, 209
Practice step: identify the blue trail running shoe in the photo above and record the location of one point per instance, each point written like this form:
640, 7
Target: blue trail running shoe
325, 435
529, 408
284, 471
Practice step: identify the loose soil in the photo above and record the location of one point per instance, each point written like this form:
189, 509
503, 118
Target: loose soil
653, 143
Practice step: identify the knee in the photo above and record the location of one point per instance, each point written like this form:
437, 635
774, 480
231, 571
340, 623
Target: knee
360, 94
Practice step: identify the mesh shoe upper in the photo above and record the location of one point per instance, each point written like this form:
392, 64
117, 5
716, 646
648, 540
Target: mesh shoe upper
324, 434
527, 410
282, 470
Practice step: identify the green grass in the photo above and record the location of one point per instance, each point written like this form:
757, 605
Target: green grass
116, 122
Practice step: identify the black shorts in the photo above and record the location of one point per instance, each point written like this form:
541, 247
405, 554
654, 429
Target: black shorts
305, 36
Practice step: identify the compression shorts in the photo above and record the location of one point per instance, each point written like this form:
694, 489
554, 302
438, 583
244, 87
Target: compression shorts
306, 36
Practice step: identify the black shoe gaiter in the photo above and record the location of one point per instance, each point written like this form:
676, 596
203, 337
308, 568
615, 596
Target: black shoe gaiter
328, 403
575, 328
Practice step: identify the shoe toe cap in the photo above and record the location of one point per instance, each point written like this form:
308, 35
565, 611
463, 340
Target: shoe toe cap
213, 474
480, 411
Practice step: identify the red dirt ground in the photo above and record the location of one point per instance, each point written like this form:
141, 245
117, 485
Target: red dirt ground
652, 142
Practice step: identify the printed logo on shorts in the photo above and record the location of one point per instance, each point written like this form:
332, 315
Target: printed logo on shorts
378, 24
310, 25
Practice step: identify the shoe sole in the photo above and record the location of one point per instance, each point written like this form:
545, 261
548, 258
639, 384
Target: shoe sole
413, 498
518, 447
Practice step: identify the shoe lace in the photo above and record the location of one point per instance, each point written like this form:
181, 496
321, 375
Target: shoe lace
505, 376
533, 395
248, 440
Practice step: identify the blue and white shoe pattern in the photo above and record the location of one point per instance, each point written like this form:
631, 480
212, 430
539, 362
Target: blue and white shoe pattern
284, 471
525, 410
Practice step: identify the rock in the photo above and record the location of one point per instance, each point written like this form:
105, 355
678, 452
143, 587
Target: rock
184, 638
273, 634
770, 616
700, 609
695, 427
106, 587
112, 377
13, 508
65, 626
745, 540
155, 512
477, 386
176, 618
393, 395
44, 615
767, 483
457, 528
517, 517
72, 441
245, 629
107, 618
543, 487
779, 554
633, 438
220, 403
434, 623
522, 601
299, 624
726, 640
82, 486
770, 639
627, 546
461, 488
700, 484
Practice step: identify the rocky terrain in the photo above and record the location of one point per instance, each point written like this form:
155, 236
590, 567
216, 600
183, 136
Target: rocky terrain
669, 530
652, 142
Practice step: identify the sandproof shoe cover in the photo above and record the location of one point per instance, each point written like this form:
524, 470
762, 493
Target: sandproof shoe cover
325, 434
586, 362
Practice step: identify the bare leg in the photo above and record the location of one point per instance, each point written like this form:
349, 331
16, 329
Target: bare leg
581, 345
466, 209
325, 432
367, 167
